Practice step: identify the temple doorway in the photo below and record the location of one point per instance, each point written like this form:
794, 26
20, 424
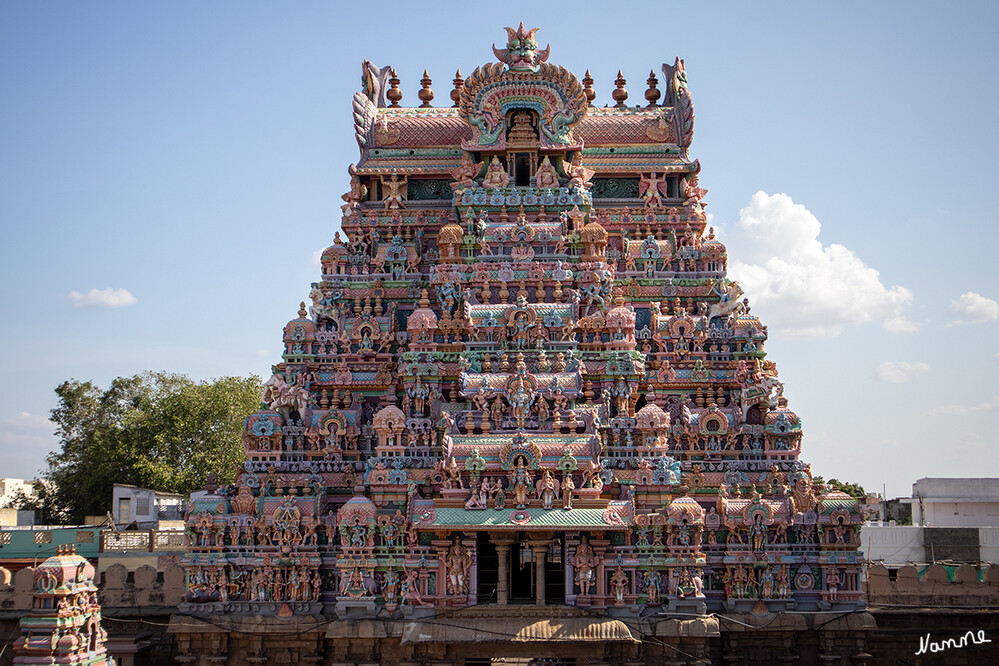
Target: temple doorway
488, 567
531, 558
522, 571
555, 571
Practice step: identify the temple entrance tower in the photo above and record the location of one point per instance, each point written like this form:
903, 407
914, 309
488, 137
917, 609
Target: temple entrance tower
523, 386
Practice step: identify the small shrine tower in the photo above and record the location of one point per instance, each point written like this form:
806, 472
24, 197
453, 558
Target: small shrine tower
64, 624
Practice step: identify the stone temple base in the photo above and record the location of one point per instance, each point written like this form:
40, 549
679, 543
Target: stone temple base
356, 609
416, 612
689, 606
250, 608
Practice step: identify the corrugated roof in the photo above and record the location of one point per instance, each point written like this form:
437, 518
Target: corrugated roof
538, 518
496, 630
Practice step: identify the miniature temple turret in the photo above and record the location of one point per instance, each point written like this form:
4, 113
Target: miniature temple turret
64, 623
524, 376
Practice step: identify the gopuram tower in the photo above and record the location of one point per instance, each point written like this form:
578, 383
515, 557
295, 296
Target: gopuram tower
524, 397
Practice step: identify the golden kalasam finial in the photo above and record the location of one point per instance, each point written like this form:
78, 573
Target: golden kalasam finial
394, 95
459, 83
652, 94
620, 94
588, 90
426, 95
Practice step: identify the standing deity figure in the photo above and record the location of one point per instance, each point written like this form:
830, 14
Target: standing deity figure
394, 191
652, 587
783, 582
758, 533
541, 407
498, 494
766, 584
391, 587
568, 486
496, 413
833, 583
740, 581
583, 562
458, 561
547, 489
521, 484
619, 585
520, 401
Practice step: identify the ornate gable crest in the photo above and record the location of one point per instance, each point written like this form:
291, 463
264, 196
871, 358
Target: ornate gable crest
521, 80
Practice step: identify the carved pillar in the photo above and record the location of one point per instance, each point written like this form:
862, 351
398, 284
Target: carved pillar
473, 573
503, 579
540, 552
441, 545
599, 548
570, 545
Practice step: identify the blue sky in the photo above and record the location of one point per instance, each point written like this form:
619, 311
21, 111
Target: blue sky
194, 154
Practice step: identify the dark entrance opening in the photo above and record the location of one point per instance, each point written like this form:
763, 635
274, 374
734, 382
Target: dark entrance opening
522, 169
555, 571
521, 572
488, 569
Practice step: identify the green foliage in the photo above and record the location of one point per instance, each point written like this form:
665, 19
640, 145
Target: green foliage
854, 490
156, 430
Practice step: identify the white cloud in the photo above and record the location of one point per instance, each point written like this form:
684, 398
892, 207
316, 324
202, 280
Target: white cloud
262, 353
29, 421
971, 308
899, 372
317, 258
103, 298
990, 406
899, 324
799, 285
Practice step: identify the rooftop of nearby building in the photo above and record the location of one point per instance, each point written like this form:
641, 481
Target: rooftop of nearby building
964, 489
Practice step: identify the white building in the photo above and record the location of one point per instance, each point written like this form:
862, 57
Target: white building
144, 507
955, 502
952, 520
9, 489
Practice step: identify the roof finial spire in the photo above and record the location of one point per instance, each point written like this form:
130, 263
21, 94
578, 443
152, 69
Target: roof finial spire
426, 95
620, 93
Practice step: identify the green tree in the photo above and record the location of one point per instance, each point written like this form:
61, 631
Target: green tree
854, 490
156, 430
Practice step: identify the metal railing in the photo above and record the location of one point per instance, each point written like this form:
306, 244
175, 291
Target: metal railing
145, 541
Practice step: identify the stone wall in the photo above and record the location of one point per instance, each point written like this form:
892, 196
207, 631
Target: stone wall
118, 589
934, 589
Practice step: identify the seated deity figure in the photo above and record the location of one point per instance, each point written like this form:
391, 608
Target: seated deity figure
496, 176
546, 178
